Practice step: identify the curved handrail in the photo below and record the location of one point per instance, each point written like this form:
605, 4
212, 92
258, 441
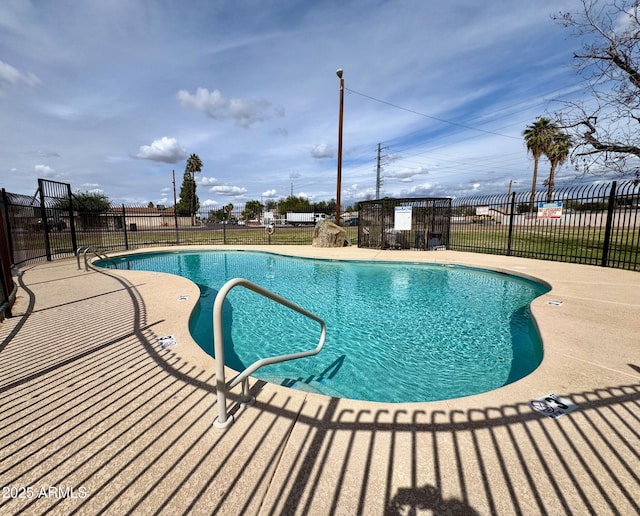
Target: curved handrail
224, 419
102, 256
80, 249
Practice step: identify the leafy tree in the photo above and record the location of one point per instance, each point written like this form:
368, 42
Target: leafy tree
88, 205
605, 128
271, 204
227, 210
537, 138
194, 165
216, 215
320, 207
150, 205
185, 205
557, 153
252, 210
94, 202
293, 203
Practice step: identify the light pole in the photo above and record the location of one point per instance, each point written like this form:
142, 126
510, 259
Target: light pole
509, 193
339, 179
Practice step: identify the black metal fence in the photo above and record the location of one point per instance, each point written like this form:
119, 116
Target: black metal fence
597, 224
53, 223
409, 223
7, 285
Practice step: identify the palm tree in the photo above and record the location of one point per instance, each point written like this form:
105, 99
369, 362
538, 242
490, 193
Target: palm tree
194, 164
537, 137
557, 152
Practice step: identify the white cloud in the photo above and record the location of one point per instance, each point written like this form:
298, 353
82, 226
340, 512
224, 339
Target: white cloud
44, 170
406, 174
206, 181
358, 192
243, 112
322, 151
13, 76
228, 190
270, 193
164, 150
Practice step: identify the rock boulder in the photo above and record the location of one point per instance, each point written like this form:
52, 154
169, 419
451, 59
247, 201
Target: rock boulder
328, 234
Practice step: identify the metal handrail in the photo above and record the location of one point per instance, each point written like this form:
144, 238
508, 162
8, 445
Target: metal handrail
224, 419
78, 251
102, 256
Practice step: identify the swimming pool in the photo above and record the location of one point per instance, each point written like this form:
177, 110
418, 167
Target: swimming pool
396, 332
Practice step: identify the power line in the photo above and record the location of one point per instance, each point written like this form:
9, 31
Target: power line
431, 117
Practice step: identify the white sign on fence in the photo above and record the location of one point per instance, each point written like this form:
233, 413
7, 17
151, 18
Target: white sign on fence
402, 220
550, 210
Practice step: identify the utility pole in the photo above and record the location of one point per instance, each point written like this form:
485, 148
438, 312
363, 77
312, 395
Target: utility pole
378, 169
175, 207
340, 120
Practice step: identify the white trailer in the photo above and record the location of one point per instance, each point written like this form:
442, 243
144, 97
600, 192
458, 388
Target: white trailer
304, 218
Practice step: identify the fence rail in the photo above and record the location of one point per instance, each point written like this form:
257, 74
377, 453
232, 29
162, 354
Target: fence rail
598, 224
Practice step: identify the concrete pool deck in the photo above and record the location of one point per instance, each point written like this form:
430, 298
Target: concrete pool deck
98, 418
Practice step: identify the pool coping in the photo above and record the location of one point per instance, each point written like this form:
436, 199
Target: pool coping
489, 453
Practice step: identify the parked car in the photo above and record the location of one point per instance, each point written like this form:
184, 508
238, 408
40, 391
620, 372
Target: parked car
51, 225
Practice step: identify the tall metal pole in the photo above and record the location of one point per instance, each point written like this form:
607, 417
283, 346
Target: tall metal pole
175, 207
378, 166
339, 179
509, 192
193, 199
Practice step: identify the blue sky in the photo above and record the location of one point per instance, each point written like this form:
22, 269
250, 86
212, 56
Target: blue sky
114, 95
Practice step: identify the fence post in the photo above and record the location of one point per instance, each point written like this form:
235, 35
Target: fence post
44, 219
175, 220
6, 279
511, 216
72, 223
607, 230
224, 230
7, 221
126, 235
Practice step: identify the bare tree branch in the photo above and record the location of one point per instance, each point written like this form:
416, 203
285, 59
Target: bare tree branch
605, 128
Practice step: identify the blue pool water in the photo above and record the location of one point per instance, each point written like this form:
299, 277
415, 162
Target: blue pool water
396, 332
